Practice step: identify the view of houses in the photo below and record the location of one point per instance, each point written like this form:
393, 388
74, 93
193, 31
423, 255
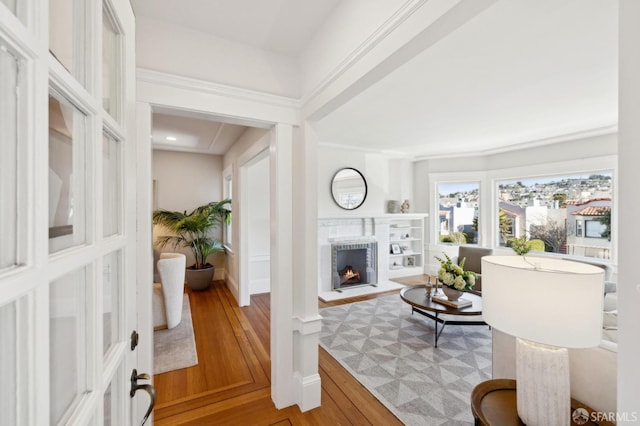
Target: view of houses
570, 214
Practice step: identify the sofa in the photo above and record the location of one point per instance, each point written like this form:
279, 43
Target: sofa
473, 256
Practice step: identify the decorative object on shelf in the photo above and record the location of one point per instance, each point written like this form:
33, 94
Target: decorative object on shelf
451, 293
396, 266
404, 208
349, 188
395, 249
544, 326
393, 206
454, 276
410, 261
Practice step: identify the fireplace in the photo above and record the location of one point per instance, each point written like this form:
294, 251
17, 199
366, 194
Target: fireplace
353, 264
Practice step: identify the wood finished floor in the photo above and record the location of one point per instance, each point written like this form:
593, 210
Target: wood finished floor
231, 383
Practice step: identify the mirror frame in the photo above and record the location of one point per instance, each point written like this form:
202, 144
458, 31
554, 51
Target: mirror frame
364, 181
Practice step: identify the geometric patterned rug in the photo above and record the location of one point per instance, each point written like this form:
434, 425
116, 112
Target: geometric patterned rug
390, 351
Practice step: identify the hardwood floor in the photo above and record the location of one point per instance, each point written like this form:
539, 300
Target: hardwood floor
231, 383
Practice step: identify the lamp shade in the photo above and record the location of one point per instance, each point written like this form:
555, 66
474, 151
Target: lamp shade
544, 300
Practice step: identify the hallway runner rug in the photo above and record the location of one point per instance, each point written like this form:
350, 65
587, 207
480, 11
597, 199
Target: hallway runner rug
175, 348
390, 351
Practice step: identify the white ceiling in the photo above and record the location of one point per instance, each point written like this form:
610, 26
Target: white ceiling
283, 26
520, 72
199, 134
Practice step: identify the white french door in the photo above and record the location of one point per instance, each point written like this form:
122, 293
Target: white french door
67, 212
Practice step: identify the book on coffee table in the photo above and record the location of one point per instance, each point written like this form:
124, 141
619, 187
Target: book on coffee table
460, 303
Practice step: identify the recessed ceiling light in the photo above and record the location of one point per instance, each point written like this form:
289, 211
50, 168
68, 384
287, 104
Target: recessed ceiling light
171, 138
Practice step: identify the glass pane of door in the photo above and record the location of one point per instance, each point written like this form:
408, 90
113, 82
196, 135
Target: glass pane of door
112, 400
13, 386
67, 175
68, 328
107, 401
8, 157
111, 184
110, 65
111, 299
67, 41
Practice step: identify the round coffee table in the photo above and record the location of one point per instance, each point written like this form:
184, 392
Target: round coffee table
416, 296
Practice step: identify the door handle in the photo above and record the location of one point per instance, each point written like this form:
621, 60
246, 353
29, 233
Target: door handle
148, 388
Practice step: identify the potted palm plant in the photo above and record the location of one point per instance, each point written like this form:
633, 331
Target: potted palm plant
194, 231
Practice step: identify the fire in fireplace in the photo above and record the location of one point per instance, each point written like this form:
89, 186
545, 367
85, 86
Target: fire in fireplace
353, 263
349, 276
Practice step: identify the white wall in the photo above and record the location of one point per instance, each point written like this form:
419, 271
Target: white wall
259, 227
250, 144
190, 53
387, 179
185, 181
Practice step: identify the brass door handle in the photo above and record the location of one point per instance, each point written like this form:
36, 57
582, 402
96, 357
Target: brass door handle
148, 388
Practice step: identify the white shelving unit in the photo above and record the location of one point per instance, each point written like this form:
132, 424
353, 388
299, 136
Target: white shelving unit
406, 233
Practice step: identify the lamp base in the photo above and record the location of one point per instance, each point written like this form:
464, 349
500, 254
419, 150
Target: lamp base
543, 390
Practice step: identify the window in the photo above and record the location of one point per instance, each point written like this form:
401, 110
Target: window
594, 229
559, 210
228, 226
458, 205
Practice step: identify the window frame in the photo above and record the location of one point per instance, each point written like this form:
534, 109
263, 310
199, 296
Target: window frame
488, 209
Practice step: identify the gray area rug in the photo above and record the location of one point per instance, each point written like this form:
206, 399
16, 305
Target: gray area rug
175, 348
391, 353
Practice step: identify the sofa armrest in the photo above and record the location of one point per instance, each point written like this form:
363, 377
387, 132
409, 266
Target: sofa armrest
610, 287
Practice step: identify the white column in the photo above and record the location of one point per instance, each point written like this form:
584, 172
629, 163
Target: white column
629, 209
280, 161
307, 322
144, 253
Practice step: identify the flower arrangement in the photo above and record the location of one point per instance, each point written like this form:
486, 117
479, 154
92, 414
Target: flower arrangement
455, 276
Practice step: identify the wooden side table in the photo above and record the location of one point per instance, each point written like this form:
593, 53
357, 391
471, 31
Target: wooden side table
493, 403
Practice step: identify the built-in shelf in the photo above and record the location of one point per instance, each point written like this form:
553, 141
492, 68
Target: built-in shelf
407, 232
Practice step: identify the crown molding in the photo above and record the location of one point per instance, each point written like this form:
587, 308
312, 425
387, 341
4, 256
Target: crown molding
583, 134
207, 87
378, 36
382, 152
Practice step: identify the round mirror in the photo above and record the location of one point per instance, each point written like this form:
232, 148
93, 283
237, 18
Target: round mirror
349, 189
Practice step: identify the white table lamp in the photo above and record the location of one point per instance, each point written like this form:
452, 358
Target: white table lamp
549, 305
